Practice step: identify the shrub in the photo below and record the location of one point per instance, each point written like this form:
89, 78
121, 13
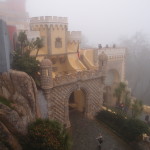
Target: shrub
114, 120
48, 135
25, 63
133, 128
129, 129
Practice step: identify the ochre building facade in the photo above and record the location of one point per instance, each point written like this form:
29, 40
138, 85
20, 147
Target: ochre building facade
71, 78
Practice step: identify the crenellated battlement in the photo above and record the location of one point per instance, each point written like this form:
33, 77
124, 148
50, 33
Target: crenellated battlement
43, 22
49, 19
74, 36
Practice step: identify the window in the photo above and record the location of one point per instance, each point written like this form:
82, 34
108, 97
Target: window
58, 43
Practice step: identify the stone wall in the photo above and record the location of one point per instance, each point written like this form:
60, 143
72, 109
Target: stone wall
58, 99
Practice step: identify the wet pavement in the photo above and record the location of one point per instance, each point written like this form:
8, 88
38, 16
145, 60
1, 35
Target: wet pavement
85, 131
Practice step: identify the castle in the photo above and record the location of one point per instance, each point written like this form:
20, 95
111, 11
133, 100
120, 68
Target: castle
72, 78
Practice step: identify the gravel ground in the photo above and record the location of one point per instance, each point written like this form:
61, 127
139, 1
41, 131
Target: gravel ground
85, 131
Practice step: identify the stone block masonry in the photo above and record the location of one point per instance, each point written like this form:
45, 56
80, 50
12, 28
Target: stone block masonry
58, 99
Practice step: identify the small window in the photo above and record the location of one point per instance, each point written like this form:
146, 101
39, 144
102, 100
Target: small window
58, 43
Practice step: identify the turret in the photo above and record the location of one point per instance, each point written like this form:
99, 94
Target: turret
46, 74
53, 30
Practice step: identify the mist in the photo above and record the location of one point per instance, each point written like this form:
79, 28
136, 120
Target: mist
101, 21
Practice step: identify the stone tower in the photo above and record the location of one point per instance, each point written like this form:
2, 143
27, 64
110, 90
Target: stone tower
53, 31
46, 75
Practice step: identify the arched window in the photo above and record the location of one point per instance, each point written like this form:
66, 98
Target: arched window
58, 43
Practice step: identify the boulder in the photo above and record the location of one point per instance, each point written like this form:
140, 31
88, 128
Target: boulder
20, 92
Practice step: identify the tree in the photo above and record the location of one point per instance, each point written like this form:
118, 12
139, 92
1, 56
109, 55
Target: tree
119, 91
137, 108
38, 43
127, 101
22, 39
22, 60
48, 135
25, 63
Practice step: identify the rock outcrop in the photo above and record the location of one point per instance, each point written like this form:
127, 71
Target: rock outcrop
20, 92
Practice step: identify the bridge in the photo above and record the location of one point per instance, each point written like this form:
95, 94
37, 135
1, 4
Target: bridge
84, 90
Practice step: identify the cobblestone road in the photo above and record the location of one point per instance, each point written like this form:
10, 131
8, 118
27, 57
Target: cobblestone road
85, 131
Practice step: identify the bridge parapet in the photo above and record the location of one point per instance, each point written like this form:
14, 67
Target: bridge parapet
77, 76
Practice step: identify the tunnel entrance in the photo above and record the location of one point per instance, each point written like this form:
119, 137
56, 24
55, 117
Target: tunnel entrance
77, 101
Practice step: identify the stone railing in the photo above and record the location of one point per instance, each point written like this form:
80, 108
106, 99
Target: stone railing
113, 53
77, 76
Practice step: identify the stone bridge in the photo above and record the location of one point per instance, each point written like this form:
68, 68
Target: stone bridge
81, 90
84, 90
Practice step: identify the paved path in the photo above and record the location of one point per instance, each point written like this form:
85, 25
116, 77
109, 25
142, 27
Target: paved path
84, 132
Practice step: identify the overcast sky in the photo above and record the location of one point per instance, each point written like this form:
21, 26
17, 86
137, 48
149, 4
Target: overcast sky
101, 21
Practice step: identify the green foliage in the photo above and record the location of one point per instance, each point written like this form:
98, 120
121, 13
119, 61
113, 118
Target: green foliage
38, 43
48, 135
5, 101
133, 128
129, 129
127, 100
22, 60
119, 91
25, 63
113, 119
137, 108
22, 39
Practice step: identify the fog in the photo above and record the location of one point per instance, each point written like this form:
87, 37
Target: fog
101, 21
124, 22
121, 22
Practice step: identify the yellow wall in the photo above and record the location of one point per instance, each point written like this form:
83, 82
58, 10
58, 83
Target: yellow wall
75, 62
44, 50
55, 31
89, 54
79, 100
72, 47
58, 32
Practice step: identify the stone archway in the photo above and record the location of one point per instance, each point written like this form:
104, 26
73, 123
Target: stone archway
112, 77
111, 82
77, 99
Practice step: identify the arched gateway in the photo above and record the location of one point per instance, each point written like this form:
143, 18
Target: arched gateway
115, 73
59, 91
